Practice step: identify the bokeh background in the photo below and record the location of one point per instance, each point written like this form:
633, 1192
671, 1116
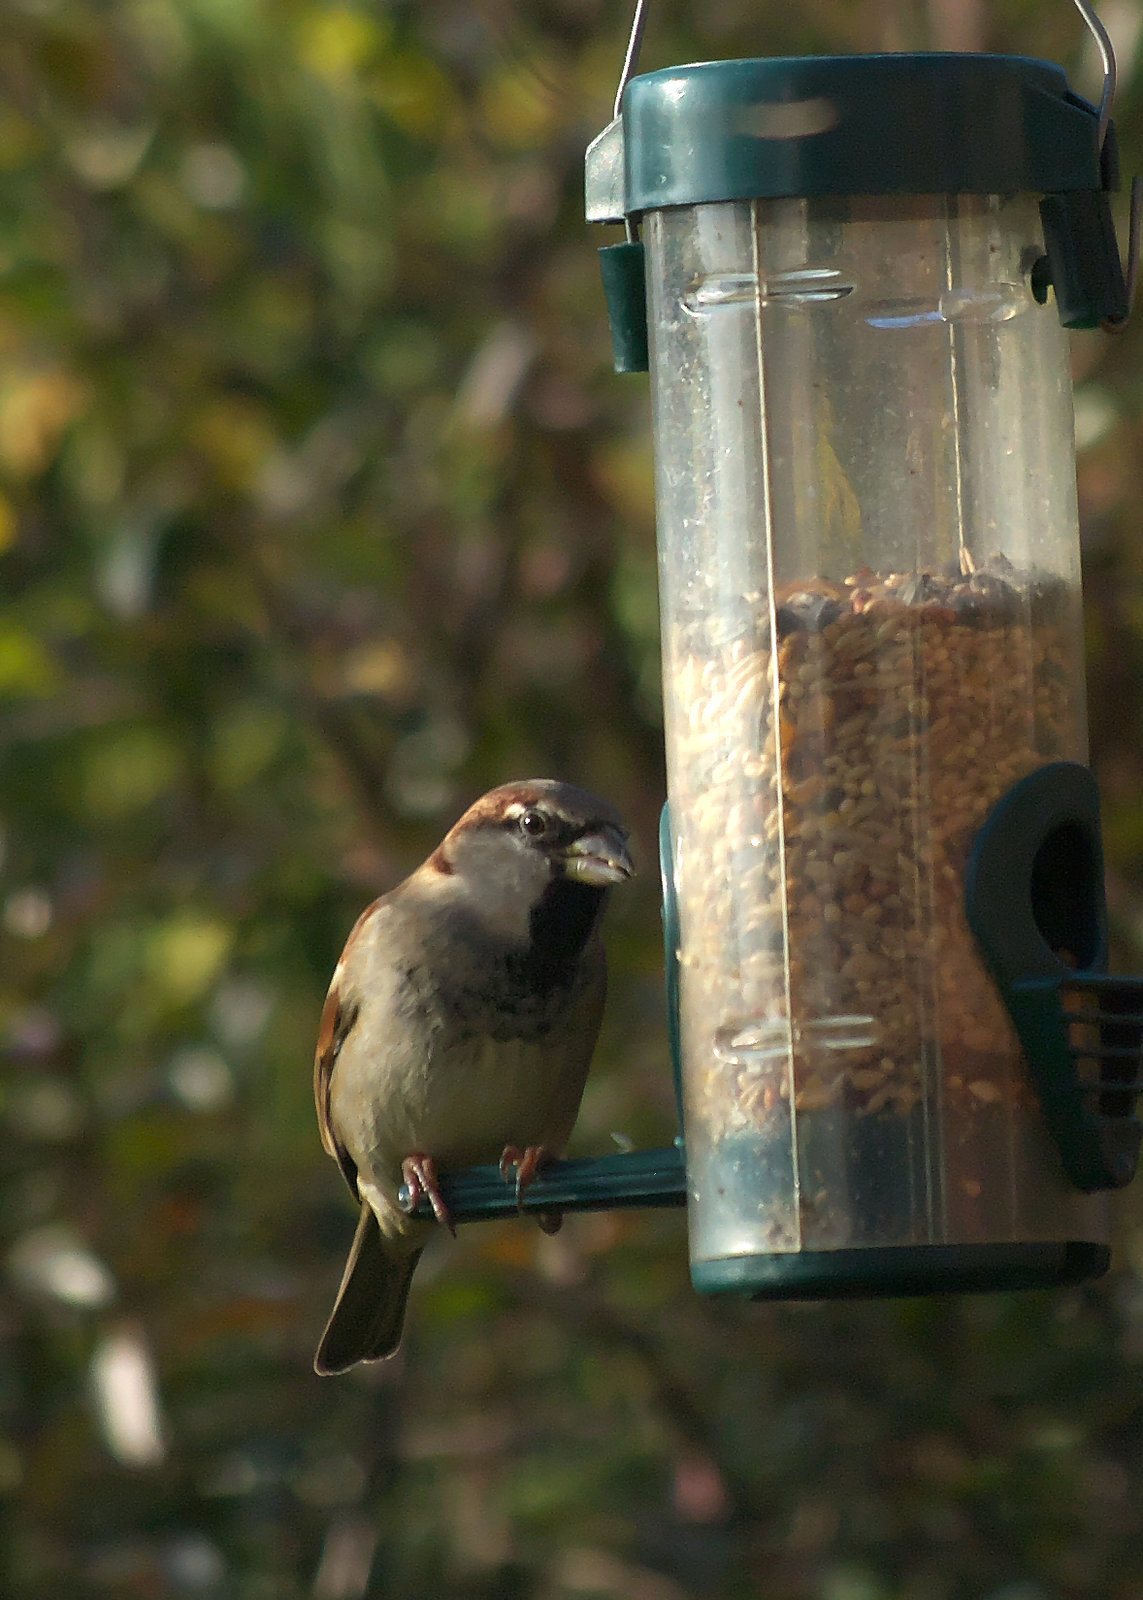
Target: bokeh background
321, 511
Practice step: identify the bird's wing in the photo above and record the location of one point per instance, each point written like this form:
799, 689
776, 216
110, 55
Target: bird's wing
338, 1019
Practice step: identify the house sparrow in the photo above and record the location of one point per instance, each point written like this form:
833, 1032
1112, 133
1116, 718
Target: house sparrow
458, 1029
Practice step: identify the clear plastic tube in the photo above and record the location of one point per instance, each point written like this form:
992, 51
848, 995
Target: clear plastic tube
869, 566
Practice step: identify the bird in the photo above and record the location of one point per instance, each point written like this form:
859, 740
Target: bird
458, 1030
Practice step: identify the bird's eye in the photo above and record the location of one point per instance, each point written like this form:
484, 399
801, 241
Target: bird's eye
534, 823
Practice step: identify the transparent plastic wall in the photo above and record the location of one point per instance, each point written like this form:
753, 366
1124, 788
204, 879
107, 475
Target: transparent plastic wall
871, 629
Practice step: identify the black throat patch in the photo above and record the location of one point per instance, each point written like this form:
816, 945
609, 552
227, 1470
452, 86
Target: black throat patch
560, 924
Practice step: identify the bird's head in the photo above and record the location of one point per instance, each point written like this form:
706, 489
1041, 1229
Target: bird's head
540, 829
518, 843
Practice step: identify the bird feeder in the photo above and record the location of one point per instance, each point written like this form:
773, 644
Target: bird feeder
903, 1066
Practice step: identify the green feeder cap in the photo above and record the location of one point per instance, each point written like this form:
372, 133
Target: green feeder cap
833, 125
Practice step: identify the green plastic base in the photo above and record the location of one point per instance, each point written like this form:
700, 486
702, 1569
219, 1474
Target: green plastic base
901, 1270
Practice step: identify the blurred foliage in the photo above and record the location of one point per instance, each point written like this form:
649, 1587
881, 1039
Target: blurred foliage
320, 512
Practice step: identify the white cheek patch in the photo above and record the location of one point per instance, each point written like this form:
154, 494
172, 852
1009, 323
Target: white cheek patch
500, 879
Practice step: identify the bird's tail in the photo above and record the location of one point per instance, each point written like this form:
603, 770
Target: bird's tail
369, 1312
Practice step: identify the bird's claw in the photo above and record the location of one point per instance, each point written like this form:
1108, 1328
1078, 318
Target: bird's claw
420, 1174
527, 1164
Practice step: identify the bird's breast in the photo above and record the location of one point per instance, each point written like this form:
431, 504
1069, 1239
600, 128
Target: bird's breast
462, 1101
459, 1083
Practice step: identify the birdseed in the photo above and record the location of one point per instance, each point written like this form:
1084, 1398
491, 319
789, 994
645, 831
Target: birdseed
829, 773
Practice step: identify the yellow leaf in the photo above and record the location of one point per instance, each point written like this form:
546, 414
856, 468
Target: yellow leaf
186, 953
35, 408
245, 741
236, 437
335, 43
520, 105
26, 667
20, 140
8, 524
128, 770
625, 475
413, 92
382, 668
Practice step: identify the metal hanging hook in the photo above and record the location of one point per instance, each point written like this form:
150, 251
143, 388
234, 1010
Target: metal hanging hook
630, 67
1098, 32
634, 45
1107, 57
1135, 221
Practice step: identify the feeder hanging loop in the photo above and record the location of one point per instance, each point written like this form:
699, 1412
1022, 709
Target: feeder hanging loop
634, 45
1107, 57
1098, 32
1114, 324
630, 66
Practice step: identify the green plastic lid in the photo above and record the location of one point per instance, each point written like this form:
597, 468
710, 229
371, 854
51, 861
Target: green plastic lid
833, 125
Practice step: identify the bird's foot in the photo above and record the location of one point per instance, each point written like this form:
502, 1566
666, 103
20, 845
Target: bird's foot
420, 1174
527, 1163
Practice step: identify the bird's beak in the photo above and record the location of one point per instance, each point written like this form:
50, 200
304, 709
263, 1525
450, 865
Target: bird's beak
599, 859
